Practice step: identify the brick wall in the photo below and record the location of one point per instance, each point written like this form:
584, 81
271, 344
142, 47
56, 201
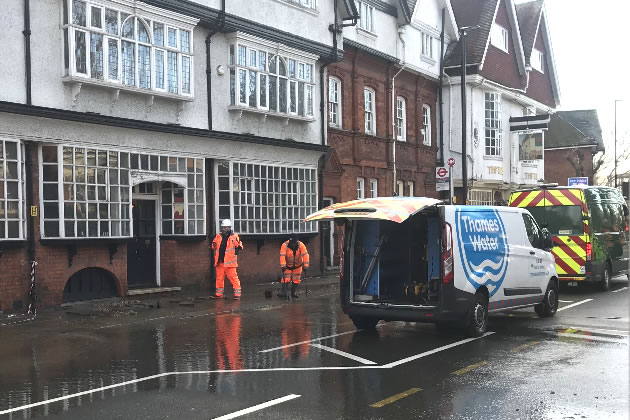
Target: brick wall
558, 167
185, 264
14, 279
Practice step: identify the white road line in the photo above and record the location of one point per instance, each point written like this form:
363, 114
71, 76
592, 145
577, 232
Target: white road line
309, 341
207, 372
575, 304
258, 407
620, 290
344, 354
594, 338
430, 352
566, 301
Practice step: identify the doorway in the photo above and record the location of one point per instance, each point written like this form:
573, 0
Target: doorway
142, 249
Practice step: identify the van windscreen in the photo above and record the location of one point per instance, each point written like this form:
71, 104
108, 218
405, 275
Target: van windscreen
560, 220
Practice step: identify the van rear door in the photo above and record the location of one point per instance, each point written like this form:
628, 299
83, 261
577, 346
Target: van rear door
393, 209
562, 211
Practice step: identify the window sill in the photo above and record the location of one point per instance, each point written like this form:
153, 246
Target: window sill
428, 59
366, 33
12, 243
491, 157
297, 6
240, 109
183, 238
529, 164
83, 241
76, 82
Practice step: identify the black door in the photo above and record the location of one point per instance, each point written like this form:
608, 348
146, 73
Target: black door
141, 249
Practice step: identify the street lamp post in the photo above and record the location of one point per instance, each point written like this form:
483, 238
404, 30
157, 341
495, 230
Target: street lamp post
463, 31
616, 100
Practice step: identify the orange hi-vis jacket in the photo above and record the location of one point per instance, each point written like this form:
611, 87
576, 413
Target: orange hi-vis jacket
293, 260
230, 259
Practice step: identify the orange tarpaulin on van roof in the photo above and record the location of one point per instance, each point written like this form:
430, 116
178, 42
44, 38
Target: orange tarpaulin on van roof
395, 209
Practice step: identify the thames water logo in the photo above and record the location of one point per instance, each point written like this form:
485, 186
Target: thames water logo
483, 248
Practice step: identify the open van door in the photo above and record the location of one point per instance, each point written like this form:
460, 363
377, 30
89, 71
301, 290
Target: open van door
393, 209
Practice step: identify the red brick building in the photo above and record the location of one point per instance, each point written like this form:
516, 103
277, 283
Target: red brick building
361, 163
573, 139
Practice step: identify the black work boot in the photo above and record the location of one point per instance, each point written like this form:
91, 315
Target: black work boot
283, 291
294, 287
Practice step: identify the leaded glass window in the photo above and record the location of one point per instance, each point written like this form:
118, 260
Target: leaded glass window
12, 188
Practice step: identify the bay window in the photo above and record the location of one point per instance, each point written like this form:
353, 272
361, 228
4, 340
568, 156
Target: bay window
264, 79
108, 43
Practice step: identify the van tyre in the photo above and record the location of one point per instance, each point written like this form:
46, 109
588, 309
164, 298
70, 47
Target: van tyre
364, 322
477, 322
605, 283
549, 306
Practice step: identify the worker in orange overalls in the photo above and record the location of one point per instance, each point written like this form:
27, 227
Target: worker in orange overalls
293, 260
226, 246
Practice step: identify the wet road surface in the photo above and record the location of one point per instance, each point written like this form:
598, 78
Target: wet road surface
305, 359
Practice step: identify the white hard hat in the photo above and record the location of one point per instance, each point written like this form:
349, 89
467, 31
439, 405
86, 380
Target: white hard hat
226, 222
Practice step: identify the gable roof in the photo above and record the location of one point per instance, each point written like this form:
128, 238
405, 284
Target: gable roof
407, 7
351, 11
529, 15
574, 128
482, 13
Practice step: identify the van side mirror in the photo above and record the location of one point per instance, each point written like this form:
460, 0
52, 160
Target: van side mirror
547, 241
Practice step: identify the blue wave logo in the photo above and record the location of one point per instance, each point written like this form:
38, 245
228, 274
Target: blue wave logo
483, 247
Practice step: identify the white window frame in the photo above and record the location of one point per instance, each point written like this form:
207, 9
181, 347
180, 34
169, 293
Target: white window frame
360, 188
480, 197
265, 199
401, 119
538, 60
500, 37
334, 102
400, 188
426, 125
308, 4
149, 20
493, 126
427, 46
369, 99
373, 187
299, 76
410, 187
20, 201
366, 16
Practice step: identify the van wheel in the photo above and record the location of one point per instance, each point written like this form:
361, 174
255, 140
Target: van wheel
477, 322
605, 283
549, 306
364, 322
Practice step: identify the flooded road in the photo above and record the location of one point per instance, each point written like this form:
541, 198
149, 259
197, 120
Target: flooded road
304, 359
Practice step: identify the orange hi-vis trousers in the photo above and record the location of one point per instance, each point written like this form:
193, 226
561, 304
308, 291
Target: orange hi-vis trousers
294, 275
222, 271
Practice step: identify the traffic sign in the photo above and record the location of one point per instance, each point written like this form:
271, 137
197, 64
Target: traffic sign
441, 179
582, 180
442, 172
451, 162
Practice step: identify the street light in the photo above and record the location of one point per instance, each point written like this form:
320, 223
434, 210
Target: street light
463, 31
616, 100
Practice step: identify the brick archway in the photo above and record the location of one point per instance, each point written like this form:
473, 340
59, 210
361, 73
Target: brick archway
90, 283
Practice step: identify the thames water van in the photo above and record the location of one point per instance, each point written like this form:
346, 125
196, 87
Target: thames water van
415, 259
589, 226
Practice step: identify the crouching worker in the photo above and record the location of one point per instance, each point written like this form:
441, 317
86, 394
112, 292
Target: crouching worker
293, 260
226, 246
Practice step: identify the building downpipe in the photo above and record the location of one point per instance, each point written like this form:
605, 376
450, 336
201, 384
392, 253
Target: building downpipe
440, 90
218, 26
27, 49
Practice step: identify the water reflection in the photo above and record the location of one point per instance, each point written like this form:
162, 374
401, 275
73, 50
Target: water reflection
296, 328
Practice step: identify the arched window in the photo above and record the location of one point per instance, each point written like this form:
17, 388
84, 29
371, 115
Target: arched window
401, 119
334, 102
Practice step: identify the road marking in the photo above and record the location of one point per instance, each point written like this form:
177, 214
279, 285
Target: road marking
524, 346
258, 407
566, 301
575, 304
594, 338
430, 352
623, 333
469, 368
344, 354
253, 370
395, 398
309, 341
620, 290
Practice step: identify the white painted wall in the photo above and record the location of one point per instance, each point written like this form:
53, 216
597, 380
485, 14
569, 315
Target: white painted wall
49, 90
384, 37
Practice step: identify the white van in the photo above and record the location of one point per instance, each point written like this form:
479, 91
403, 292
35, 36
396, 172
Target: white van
415, 259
